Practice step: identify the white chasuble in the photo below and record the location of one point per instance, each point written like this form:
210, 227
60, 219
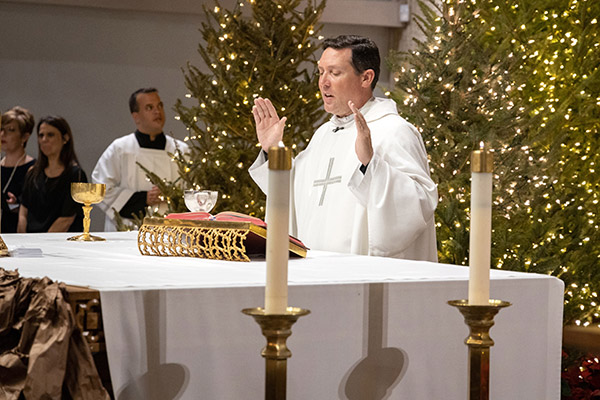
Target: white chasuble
387, 211
118, 169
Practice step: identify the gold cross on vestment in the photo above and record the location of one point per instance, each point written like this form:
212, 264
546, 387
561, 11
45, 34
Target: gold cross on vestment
327, 181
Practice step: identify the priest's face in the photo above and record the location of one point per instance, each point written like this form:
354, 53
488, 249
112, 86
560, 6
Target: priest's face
150, 117
339, 82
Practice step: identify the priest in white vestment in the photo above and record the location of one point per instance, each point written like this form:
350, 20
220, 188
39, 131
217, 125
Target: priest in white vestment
362, 184
128, 190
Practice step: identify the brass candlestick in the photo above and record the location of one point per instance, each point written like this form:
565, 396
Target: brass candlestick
87, 194
276, 328
479, 318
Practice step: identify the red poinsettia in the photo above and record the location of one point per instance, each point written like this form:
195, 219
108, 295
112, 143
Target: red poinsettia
581, 378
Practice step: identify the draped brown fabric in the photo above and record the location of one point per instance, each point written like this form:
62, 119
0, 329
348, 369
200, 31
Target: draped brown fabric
43, 354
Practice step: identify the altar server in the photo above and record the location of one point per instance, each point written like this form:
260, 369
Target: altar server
362, 185
128, 190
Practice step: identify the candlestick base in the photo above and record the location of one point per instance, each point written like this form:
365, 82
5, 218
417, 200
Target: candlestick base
3, 248
86, 237
479, 318
276, 328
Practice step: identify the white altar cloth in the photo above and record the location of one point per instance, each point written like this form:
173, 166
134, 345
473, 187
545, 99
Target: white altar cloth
379, 328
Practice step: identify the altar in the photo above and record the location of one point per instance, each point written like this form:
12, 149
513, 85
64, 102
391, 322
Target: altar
378, 329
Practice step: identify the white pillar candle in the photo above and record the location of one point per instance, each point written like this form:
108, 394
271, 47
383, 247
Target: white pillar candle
480, 238
278, 209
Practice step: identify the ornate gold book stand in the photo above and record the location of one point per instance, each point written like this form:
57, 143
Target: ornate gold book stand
218, 240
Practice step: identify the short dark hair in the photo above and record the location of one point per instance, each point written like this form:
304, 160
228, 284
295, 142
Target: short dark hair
133, 104
365, 54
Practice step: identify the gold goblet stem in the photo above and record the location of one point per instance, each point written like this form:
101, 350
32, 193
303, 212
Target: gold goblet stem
87, 208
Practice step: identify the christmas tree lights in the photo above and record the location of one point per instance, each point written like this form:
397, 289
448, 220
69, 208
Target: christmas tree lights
524, 77
258, 49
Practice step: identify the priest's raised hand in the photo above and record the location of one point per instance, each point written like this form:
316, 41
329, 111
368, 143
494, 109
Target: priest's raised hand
269, 127
363, 145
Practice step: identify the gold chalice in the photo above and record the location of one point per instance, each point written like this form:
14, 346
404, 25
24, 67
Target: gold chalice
87, 194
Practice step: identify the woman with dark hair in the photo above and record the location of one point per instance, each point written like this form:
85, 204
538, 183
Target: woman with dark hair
17, 126
47, 205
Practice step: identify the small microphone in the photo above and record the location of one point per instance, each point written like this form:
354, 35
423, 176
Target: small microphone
337, 128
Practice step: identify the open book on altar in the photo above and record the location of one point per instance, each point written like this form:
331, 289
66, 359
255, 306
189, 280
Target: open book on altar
225, 236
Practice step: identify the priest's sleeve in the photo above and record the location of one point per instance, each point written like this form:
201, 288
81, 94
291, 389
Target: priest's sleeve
398, 194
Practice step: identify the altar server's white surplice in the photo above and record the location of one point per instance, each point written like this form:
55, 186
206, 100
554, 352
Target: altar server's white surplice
388, 211
118, 169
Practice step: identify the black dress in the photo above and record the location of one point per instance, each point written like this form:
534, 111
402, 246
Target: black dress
48, 199
10, 212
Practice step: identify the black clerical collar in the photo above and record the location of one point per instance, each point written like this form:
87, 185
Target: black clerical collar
159, 142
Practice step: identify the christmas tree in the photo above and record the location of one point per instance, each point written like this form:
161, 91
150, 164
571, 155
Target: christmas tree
455, 88
561, 67
271, 54
523, 77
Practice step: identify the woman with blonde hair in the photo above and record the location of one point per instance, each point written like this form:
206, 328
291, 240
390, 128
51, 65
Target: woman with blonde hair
17, 126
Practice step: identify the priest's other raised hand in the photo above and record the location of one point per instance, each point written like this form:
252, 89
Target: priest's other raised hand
269, 127
363, 145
